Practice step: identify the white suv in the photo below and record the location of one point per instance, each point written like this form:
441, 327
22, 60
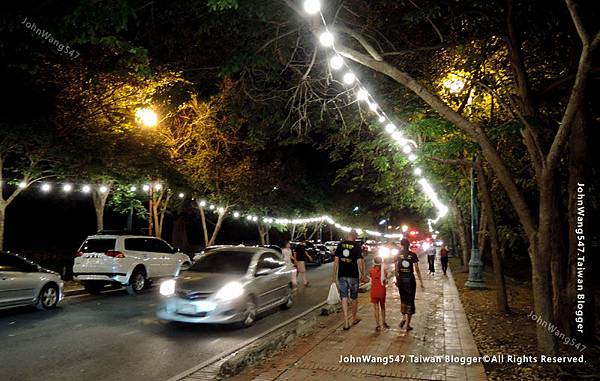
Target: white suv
129, 260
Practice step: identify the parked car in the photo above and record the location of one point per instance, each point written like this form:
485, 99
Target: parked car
327, 254
272, 247
228, 285
129, 260
332, 245
318, 257
23, 282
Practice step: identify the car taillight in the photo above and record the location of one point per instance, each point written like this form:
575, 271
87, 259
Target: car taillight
79, 254
114, 254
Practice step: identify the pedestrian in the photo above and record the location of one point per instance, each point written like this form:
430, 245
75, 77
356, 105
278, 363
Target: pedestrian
289, 259
431, 259
406, 265
349, 268
378, 285
444, 258
300, 256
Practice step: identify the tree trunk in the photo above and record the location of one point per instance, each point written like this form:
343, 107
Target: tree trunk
2, 223
99, 200
262, 232
204, 228
179, 236
218, 225
486, 198
463, 237
541, 245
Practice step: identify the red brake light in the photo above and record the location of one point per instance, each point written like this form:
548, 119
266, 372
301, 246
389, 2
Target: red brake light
114, 254
79, 254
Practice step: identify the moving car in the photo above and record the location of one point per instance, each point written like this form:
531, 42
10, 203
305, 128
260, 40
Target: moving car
128, 260
228, 285
23, 282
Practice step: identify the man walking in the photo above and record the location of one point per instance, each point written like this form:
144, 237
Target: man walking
431, 259
349, 267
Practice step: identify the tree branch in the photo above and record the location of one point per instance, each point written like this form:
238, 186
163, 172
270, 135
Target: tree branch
362, 40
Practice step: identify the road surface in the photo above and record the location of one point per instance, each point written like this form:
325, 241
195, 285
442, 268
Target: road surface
115, 336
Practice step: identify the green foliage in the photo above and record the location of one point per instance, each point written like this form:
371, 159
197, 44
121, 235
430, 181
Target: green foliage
122, 200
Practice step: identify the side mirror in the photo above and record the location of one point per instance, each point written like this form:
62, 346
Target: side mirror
263, 272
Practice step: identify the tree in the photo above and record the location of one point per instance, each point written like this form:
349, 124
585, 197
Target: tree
25, 159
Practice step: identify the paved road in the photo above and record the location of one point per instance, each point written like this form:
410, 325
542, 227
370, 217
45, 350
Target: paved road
115, 336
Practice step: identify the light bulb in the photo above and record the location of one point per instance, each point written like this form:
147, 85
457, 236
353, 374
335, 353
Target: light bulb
236, 215
326, 39
381, 119
86, 189
349, 78
146, 187
336, 62
418, 171
312, 6
412, 157
133, 189
390, 128
362, 95
406, 149
67, 188
46, 187
22, 185
181, 195
373, 106
103, 189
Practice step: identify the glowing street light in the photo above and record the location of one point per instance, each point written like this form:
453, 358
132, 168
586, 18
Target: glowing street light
103, 189
146, 117
454, 83
404, 228
46, 187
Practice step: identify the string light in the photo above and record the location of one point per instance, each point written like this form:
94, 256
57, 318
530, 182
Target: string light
103, 189
336, 62
412, 157
390, 128
362, 95
418, 171
381, 119
349, 78
86, 189
406, 149
67, 188
181, 195
202, 203
46, 187
146, 187
312, 6
22, 185
236, 214
326, 39
133, 188
157, 187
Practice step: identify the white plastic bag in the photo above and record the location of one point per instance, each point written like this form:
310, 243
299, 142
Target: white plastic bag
334, 295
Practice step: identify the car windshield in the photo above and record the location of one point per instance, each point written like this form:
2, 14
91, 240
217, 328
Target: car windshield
96, 245
225, 262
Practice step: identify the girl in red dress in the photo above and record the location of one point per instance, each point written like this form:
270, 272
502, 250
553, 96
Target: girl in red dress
378, 285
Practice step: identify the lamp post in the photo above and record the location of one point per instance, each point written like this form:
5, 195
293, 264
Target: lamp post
475, 265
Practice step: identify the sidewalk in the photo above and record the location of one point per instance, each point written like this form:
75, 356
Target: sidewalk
440, 328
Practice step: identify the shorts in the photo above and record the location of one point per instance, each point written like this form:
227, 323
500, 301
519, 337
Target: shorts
301, 267
378, 300
348, 285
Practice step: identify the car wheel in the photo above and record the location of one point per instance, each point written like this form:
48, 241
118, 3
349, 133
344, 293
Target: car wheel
48, 297
137, 283
289, 302
93, 288
249, 313
184, 266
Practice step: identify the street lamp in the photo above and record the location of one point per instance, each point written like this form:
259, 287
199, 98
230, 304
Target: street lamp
404, 228
475, 265
146, 117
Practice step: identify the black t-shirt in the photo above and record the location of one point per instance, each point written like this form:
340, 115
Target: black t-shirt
404, 263
300, 253
348, 252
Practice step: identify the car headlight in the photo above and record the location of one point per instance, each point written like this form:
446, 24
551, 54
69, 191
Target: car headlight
230, 291
384, 252
167, 288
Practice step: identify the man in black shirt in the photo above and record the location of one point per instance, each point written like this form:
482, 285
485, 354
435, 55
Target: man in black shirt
349, 267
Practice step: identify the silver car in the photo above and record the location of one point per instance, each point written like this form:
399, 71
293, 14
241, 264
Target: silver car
228, 285
23, 282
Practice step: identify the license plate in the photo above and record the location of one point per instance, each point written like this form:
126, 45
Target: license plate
188, 309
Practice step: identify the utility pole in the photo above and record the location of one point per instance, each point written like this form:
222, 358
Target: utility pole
475, 265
